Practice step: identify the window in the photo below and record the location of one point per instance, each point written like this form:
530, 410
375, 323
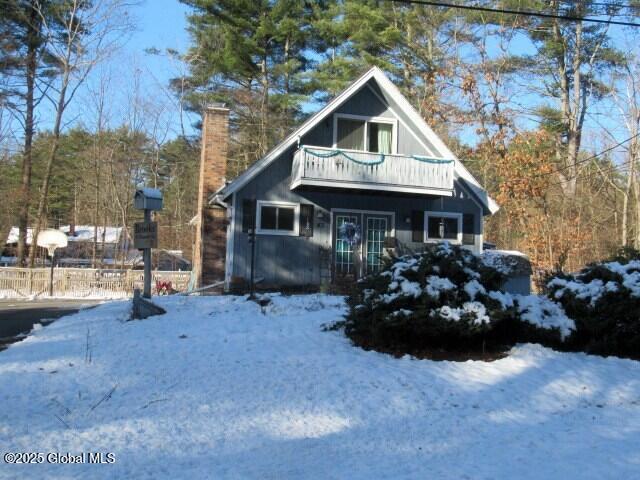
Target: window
278, 218
380, 137
468, 236
350, 134
361, 133
443, 226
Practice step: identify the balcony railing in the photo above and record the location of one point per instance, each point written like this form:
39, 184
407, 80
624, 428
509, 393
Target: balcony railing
328, 167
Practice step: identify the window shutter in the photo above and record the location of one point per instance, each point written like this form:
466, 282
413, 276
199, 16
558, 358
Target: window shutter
306, 220
248, 215
468, 236
417, 226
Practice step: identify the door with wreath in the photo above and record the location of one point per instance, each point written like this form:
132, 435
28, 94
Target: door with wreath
359, 240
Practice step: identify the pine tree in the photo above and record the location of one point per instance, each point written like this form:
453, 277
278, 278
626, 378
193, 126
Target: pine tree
252, 56
571, 59
24, 60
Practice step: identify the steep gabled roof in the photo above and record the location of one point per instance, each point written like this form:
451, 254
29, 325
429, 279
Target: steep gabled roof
388, 88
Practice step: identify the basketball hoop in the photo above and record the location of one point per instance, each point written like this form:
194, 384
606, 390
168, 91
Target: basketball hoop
52, 239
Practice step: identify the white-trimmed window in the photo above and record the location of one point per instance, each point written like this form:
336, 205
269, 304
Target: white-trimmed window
278, 218
439, 226
367, 134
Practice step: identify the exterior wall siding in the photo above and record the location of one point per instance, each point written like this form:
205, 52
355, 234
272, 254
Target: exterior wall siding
299, 260
288, 260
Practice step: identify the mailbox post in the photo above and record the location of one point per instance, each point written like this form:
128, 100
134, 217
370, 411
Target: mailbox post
146, 232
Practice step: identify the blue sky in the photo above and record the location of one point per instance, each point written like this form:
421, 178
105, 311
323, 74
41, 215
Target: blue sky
162, 24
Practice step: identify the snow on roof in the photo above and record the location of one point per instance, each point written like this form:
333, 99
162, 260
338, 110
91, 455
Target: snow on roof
83, 233
509, 262
13, 235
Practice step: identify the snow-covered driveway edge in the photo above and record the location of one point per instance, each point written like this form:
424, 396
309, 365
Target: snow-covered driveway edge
217, 388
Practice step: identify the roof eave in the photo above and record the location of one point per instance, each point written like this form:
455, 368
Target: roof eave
384, 82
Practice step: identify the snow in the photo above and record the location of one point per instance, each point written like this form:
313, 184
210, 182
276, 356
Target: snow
505, 299
435, 285
591, 291
13, 235
406, 287
83, 233
594, 289
542, 312
222, 388
398, 268
399, 282
476, 310
473, 288
506, 261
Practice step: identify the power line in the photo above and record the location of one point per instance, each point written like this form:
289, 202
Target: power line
569, 18
579, 162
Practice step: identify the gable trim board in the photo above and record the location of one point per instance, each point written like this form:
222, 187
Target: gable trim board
231, 230
488, 204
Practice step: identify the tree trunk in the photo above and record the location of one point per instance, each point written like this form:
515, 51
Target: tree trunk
25, 186
44, 192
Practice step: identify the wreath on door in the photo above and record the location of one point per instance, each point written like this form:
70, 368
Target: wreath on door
350, 233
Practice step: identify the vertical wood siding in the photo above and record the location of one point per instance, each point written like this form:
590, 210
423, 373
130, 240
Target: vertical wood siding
291, 260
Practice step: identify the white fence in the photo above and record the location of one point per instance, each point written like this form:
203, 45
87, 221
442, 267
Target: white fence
81, 282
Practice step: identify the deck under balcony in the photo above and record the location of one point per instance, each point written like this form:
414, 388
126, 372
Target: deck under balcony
328, 167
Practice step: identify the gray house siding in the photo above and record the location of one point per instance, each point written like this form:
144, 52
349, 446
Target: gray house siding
406, 135
367, 104
304, 261
293, 260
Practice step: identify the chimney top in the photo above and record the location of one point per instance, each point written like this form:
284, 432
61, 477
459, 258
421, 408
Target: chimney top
216, 106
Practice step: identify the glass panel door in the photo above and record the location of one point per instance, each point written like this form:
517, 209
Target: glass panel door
345, 251
376, 231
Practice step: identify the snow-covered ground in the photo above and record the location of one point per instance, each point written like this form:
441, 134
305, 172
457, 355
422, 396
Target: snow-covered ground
219, 389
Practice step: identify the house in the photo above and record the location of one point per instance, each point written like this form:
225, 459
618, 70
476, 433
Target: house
361, 177
113, 244
162, 259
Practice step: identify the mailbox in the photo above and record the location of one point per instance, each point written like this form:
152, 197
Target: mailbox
148, 199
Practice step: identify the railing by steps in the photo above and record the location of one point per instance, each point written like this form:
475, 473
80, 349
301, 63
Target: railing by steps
365, 170
81, 282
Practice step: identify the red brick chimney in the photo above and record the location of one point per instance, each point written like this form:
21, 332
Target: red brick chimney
211, 221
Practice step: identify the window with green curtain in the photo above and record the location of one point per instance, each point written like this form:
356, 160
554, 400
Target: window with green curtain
380, 137
350, 134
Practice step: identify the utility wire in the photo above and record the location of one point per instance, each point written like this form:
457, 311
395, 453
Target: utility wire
579, 162
526, 13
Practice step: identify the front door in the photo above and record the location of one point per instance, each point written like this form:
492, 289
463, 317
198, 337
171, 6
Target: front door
355, 257
376, 228
347, 249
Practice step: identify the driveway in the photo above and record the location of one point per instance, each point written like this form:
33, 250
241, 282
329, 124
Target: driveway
17, 317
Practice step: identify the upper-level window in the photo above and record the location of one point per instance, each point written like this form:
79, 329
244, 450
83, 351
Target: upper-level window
365, 134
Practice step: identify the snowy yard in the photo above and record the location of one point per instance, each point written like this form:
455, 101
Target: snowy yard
218, 389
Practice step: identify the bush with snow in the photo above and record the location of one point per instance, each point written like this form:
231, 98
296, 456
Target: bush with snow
604, 300
447, 298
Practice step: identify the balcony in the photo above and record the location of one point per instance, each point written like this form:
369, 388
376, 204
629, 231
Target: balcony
327, 167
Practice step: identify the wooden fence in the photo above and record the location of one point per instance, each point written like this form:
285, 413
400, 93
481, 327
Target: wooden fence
81, 282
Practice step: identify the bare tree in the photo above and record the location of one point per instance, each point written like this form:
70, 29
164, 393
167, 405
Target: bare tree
91, 32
